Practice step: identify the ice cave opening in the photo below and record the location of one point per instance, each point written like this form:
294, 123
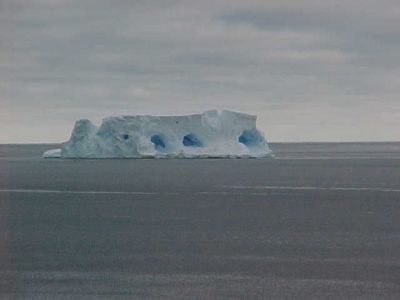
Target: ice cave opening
158, 142
250, 138
190, 140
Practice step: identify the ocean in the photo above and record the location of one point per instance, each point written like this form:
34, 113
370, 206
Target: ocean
321, 220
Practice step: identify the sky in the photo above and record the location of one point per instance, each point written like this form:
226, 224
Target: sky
310, 70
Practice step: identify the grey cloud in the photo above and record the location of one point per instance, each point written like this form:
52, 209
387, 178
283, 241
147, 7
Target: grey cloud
294, 63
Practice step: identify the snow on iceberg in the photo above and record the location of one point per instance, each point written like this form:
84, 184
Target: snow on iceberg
210, 134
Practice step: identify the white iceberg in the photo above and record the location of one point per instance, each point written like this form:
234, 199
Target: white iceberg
210, 134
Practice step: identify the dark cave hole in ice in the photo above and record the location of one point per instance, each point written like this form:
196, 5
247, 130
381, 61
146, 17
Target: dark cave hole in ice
250, 138
190, 140
158, 142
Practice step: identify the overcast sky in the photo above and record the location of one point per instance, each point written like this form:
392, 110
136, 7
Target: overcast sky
310, 70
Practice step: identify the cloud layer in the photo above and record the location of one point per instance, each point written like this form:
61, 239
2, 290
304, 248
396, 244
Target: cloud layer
311, 70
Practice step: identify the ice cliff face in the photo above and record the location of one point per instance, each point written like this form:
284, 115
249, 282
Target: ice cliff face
210, 134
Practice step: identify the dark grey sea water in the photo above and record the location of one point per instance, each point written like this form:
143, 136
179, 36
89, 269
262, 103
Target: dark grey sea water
319, 222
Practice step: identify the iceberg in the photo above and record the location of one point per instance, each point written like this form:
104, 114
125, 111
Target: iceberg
213, 134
